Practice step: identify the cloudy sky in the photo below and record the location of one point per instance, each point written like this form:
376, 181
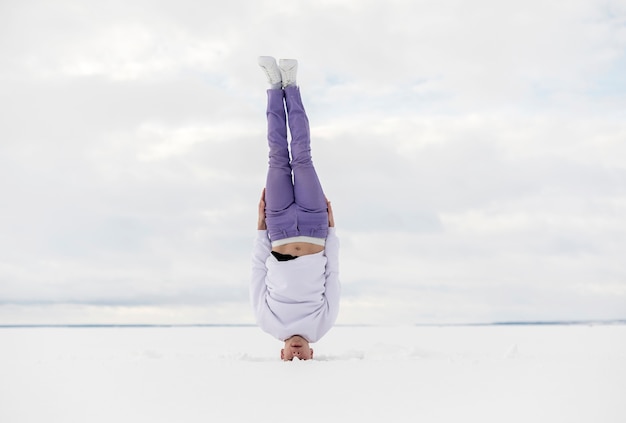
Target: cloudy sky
474, 152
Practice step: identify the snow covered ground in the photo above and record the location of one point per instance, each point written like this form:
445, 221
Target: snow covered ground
233, 374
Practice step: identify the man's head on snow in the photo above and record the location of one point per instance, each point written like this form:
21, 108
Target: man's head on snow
296, 347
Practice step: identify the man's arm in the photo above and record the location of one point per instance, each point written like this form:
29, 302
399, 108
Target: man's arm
261, 251
331, 250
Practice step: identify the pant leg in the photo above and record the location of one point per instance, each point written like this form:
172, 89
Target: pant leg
308, 190
308, 193
279, 192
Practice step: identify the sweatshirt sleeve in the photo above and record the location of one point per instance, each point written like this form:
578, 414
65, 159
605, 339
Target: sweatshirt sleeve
260, 253
333, 287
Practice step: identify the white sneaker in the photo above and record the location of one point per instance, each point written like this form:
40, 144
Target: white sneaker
288, 70
268, 63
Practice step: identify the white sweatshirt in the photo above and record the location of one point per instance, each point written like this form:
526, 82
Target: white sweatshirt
295, 297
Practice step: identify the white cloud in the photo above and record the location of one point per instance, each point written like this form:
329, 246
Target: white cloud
135, 53
474, 155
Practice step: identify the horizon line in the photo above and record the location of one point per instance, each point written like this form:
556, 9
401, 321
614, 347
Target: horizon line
234, 325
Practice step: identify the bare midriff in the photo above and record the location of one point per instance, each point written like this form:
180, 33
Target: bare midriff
298, 248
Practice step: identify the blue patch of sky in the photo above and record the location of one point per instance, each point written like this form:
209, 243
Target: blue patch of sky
402, 100
335, 79
612, 82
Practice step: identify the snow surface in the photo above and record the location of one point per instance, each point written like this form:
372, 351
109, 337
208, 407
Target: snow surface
233, 374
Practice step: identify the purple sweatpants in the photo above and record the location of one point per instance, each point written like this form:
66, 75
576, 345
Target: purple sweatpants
294, 200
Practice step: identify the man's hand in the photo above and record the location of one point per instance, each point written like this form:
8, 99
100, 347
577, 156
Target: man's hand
331, 219
261, 223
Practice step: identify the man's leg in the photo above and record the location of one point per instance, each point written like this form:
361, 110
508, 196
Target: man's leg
279, 193
308, 192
